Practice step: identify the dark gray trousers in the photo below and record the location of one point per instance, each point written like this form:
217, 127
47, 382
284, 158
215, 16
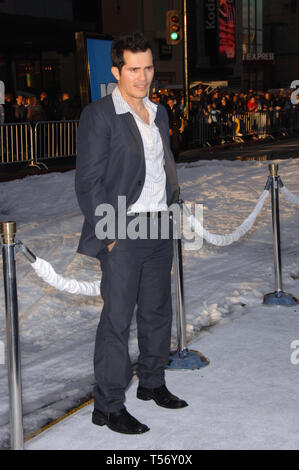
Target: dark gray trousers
135, 272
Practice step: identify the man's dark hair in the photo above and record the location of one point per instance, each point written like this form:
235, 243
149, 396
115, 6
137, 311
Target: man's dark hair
134, 42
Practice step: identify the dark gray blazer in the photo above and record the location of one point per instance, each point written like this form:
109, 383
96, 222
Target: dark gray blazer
111, 163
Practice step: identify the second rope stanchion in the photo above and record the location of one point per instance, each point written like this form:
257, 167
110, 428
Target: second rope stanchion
278, 297
183, 358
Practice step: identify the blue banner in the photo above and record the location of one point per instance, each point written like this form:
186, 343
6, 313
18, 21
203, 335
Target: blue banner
102, 81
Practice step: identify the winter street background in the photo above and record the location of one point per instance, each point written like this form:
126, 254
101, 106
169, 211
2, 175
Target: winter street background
223, 286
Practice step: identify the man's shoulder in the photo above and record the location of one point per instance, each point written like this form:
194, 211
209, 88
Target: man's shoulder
162, 111
103, 105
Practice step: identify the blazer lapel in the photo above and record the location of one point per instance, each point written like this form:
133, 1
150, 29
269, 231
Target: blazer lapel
133, 129
161, 126
172, 186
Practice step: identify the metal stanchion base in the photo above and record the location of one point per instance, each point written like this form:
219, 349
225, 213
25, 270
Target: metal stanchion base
280, 298
38, 165
187, 359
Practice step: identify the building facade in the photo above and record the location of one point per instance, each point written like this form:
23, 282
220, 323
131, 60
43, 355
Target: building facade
37, 43
247, 43
281, 35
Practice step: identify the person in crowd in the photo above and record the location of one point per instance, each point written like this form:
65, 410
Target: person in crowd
75, 108
216, 98
279, 101
69, 108
252, 107
175, 125
290, 113
8, 108
243, 102
46, 105
267, 102
164, 93
19, 110
252, 104
65, 107
35, 110
212, 114
237, 105
250, 95
224, 106
25, 102
156, 98
123, 149
199, 101
181, 104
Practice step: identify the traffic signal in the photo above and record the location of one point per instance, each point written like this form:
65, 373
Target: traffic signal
174, 30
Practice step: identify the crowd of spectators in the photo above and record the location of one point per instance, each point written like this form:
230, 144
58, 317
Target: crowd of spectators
35, 108
209, 108
227, 102
262, 110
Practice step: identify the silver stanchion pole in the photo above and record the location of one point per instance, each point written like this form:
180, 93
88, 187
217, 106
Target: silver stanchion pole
7, 231
279, 297
183, 358
179, 290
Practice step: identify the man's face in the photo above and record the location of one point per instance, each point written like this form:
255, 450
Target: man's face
136, 75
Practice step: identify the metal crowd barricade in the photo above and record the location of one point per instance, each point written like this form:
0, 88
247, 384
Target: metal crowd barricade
221, 127
55, 139
16, 143
33, 143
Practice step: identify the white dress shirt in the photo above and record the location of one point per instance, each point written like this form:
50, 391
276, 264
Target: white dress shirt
153, 194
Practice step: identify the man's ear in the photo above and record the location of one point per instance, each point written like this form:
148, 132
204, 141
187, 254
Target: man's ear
115, 72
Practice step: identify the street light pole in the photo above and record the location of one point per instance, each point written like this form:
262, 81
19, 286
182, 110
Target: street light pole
186, 72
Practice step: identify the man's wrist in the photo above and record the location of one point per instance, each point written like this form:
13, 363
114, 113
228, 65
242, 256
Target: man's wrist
108, 241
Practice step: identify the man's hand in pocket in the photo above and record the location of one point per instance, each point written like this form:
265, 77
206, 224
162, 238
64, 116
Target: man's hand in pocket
111, 245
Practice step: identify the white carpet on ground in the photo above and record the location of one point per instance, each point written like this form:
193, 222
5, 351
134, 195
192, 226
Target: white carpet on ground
245, 399
221, 284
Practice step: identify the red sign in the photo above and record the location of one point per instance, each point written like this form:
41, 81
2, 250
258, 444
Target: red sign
227, 31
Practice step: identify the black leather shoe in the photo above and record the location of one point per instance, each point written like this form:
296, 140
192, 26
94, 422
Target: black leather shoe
119, 421
161, 396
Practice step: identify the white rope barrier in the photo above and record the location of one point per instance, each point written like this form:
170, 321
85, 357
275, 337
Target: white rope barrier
44, 270
224, 240
291, 197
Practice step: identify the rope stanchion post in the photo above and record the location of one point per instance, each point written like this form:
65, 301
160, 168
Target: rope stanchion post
7, 231
179, 290
279, 297
183, 358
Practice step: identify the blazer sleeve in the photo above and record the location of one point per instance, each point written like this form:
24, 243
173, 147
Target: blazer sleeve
93, 139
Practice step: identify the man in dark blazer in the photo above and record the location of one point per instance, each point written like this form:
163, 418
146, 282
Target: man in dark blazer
124, 156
